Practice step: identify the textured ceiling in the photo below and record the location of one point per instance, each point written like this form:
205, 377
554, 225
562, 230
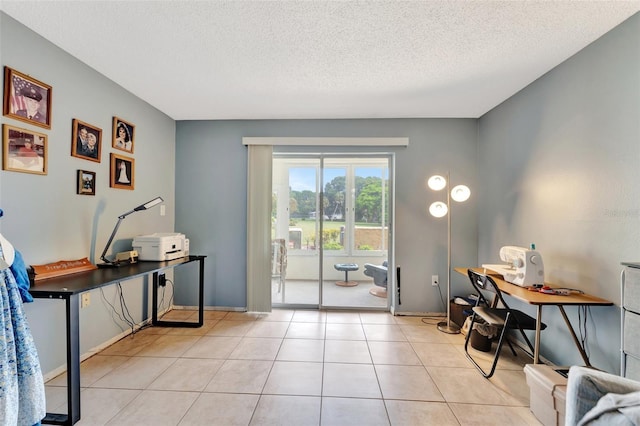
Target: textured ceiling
319, 59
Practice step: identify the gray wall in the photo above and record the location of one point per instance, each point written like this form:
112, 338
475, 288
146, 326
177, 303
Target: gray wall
559, 168
44, 217
211, 199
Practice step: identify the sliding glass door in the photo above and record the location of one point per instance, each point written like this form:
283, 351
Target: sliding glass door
296, 220
332, 213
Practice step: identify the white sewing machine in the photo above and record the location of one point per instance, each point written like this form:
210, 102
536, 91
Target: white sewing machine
523, 267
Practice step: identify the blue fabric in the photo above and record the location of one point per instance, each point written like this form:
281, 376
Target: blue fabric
22, 277
22, 397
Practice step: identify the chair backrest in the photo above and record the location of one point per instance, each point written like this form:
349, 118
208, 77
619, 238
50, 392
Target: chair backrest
485, 282
278, 257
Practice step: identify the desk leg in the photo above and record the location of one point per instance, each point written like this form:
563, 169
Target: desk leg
154, 298
72, 316
160, 323
583, 354
201, 293
73, 357
536, 347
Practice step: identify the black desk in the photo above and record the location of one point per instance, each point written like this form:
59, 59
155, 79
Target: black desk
69, 288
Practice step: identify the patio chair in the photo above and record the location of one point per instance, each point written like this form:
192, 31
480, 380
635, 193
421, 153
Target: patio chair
379, 275
279, 262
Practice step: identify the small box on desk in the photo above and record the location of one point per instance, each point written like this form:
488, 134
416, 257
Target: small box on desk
547, 393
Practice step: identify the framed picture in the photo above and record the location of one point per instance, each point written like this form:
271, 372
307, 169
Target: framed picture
24, 150
122, 172
86, 141
26, 99
86, 182
123, 135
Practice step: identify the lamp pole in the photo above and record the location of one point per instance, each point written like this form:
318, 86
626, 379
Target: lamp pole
459, 194
447, 326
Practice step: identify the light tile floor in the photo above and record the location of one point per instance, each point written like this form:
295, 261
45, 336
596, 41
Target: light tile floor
296, 368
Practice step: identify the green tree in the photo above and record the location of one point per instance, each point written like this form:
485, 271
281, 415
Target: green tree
293, 205
305, 202
334, 196
369, 200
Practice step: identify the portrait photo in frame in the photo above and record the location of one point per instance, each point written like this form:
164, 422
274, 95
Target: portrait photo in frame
86, 182
86, 141
23, 150
122, 172
123, 135
26, 99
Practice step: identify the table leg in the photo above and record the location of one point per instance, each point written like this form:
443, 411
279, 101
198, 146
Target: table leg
536, 347
201, 293
73, 357
583, 354
154, 297
72, 319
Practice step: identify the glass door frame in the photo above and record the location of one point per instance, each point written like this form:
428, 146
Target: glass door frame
320, 213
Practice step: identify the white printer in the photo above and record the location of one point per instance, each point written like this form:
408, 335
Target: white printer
161, 246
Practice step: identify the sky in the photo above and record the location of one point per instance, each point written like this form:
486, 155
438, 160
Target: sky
304, 178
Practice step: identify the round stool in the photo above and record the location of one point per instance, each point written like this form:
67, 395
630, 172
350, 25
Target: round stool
346, 267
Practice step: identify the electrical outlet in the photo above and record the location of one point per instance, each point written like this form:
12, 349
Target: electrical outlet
85, 300
162, 280
434, 280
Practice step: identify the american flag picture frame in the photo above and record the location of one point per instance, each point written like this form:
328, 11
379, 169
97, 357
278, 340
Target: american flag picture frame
26, 99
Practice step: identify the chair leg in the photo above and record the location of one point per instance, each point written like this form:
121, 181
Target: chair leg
494, 364
526, 339
513, 351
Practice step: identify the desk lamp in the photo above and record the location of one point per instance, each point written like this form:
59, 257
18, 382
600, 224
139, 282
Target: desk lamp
109, 263
459, 193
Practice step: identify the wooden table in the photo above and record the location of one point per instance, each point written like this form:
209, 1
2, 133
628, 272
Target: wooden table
542, 299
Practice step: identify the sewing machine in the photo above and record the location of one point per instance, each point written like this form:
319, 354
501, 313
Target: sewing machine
523, 267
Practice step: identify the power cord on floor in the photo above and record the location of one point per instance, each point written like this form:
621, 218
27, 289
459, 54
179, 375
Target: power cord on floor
432, 319
125, 310
121, 317
583, 316
164, 288
436, 318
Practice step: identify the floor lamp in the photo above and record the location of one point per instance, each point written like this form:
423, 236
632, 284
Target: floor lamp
459, 194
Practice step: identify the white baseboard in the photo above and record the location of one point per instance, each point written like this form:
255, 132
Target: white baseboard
209, 308
421, 314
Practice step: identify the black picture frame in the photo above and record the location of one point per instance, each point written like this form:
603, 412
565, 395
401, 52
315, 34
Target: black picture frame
86, 182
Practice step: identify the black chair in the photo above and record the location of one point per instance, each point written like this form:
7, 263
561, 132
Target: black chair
503, 317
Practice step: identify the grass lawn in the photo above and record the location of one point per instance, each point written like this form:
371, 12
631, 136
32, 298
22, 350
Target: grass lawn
308, 227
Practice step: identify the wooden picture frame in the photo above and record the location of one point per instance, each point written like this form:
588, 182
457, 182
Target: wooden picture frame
122, 174
86, 141
26, 99
123, 135
86, 183
24, 150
